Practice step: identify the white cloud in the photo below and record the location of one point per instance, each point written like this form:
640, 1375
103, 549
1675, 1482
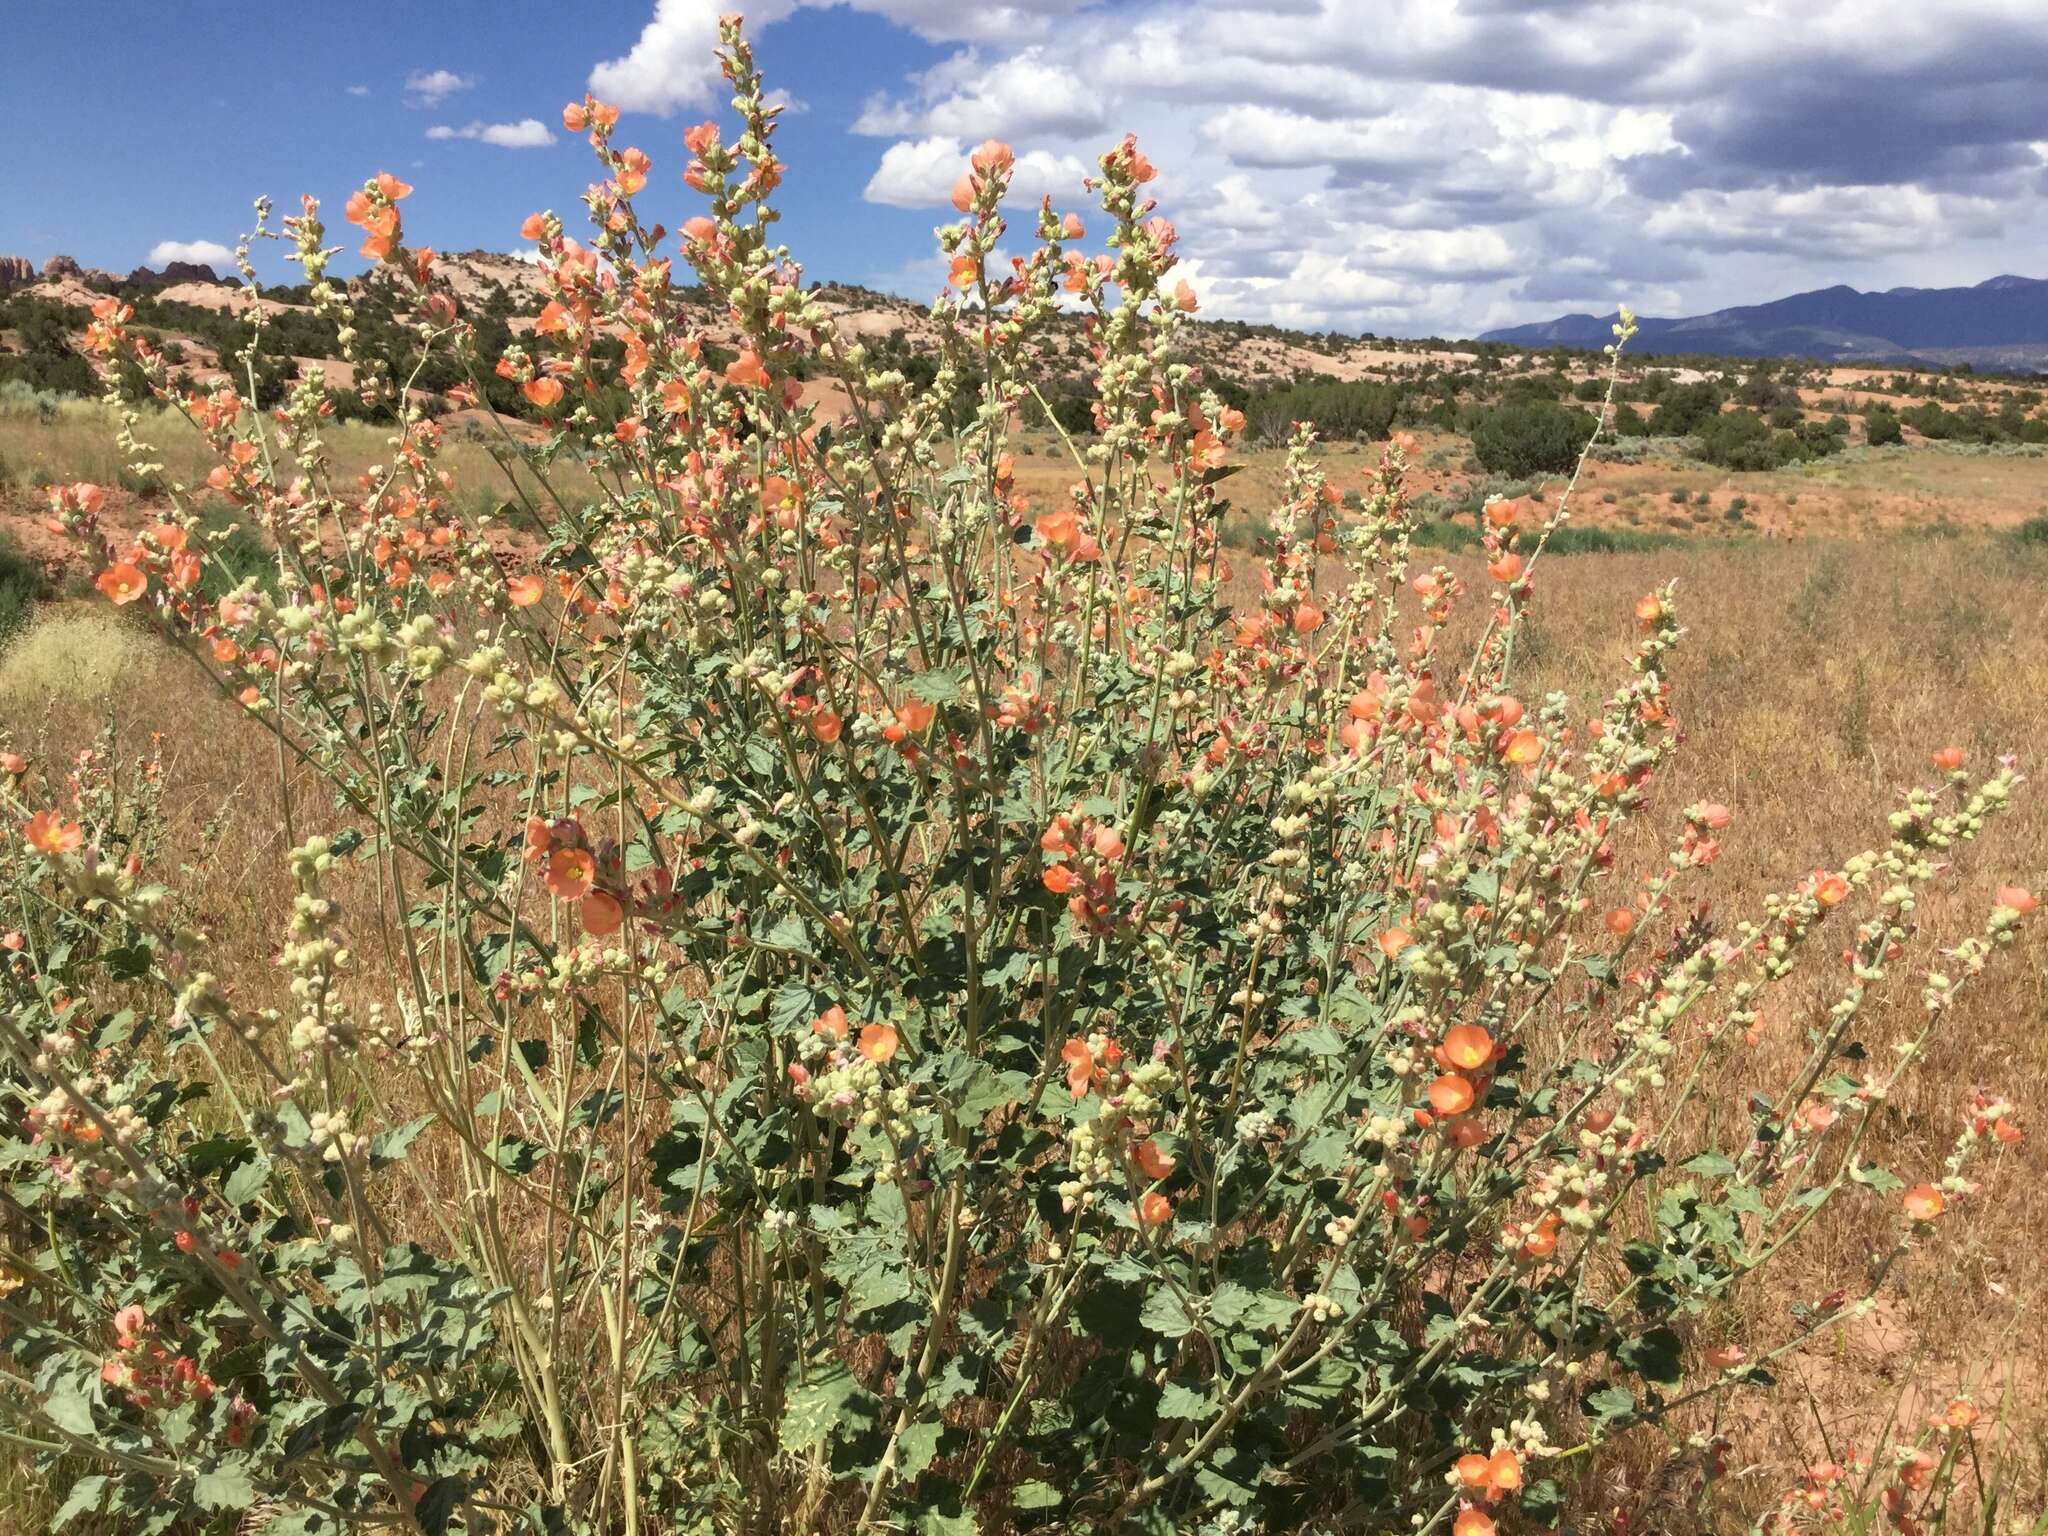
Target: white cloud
917, 173
428, 88
1457, 164
921, 173
359, 90
210, 253
671, 65
527, 133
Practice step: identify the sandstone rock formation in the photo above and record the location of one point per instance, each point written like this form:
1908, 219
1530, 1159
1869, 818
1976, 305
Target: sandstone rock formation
92, 277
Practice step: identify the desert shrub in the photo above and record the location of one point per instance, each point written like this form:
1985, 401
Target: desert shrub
821, 996
1881, 428
1360, 409
1538, 437
71, 657
1683, 408
22, 584
1742, 440
22, 399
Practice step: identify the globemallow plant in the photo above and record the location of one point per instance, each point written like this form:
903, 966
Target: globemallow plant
822, 995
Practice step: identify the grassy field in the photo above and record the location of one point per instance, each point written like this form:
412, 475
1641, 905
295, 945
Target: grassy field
1820, 673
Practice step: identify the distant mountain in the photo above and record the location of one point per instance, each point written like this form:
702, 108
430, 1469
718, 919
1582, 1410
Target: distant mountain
2001, 322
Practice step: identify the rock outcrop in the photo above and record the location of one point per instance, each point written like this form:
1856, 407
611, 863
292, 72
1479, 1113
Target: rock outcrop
173, 272
15, 271
91, 277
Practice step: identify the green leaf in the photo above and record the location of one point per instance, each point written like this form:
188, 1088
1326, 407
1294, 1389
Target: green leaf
1708, 1165
1036, 1495
69, 1408
1655, 1356
85, 1498
814, 1406
937, 686
247, 1181
1883, 1180
917, 1448
443, 1496
225, 1485
1613, 1405
1165, 1313
390, 1146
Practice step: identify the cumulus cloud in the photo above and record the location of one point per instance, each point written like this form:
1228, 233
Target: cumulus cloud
210, 253
431, 87
670, 65
527, 133
921, 173
359, 90
1458, 164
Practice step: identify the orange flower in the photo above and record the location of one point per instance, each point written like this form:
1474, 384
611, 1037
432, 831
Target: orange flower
1081, 1070
49, 833
1467, 1047
570, 873
914, 715
633, 166
1830, 890
1394, 940
543, 391
1506, 568
13, 763
878, 1042
1523, 748
825, 726
1308, 618
122, 583
1649, 609
601, 914
1152, 1162
746, 371
1541, 1241
831, 1023
1503, 1472
1961, 1413
1154, 1209
1948, 759
1472, 1521
1621, 922
525, 590
1451, 1094
1924, 1202
2016, 898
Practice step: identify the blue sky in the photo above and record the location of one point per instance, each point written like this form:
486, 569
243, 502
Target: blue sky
1399, 166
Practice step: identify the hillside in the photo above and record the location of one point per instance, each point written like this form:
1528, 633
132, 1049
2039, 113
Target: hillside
2001, 322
